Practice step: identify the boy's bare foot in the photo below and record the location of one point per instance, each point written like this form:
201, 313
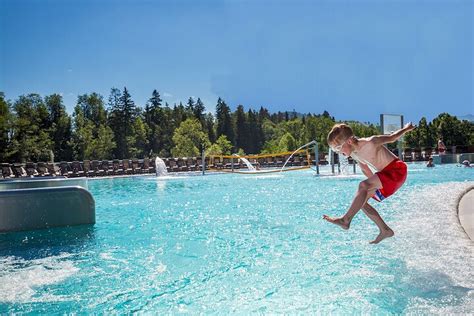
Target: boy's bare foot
338, 221
382, 235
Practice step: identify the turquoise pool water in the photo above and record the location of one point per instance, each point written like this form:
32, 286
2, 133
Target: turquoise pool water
248, 244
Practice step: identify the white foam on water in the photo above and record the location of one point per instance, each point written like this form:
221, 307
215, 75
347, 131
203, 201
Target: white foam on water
164, 178
160, 167
161, 268
21, 279
109, 257
439, 256
264, 176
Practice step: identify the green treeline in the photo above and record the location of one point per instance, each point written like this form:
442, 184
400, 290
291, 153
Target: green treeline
36, 128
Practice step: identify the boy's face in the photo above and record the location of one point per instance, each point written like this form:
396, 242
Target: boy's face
342, 146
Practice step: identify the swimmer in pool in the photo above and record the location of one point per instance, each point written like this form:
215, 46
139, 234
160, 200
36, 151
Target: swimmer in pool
370, 153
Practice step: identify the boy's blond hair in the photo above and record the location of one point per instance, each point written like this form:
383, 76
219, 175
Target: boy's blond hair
340, 131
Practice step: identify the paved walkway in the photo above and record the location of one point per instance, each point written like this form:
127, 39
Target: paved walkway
466, 212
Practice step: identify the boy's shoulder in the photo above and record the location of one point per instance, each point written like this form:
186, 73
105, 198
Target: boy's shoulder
367, 139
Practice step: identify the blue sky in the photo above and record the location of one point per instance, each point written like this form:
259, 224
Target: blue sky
356, 59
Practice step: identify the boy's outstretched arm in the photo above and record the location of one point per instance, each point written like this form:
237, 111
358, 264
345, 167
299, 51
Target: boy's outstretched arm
384, 139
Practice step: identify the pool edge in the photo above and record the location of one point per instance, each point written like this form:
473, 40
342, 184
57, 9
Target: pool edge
466, 214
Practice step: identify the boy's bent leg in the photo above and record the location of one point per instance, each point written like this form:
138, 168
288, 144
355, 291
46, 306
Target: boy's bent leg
385, 231
366, 189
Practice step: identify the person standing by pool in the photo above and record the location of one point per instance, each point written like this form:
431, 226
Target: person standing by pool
441, 147
390, 176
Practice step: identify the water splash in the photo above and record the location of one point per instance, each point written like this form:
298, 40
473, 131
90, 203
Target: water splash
305, 145
246, 162
160, 167
344, 164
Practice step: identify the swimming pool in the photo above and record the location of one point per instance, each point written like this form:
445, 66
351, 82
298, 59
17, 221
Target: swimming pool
248, 244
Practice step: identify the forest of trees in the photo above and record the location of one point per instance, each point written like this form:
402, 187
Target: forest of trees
36, 128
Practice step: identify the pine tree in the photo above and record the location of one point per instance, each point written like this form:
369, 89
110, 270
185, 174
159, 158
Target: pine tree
198, 111
224, 121
254, 141
154, 124
209, 127
190, 105
167, 129
180, 114
122, 117
241, 130
263, 114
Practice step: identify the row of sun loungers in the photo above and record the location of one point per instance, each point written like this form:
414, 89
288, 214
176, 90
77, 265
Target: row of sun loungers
85, 168
96, 168
115, 167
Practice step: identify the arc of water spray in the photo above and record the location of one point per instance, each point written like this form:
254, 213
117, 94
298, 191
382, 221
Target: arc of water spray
160, 167
305, 145
246, 162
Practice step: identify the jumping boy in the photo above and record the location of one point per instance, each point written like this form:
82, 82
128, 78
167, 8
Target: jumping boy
390, 176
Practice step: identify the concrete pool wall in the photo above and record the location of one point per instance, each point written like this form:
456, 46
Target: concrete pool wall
29, 204
466, 211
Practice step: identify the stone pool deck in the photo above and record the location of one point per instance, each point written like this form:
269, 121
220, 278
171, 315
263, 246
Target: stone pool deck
466, 212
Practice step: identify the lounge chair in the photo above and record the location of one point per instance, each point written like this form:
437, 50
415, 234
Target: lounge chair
7, 171
305, 161
269, 162
42, 169
117, 167
226, 163
191, 163
19, 171
322, 159
88, 171
173, 166
65, 169
181, 162
98, 171
198, 164
167, 164
237, 163
296, 161
280, 161
77, 170
147, 166
218, 163
31, 170
126, 166
136, 166
107, 167
53, 169
417, 154
406, 155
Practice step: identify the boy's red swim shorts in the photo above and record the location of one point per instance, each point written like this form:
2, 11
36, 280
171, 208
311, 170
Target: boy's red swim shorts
392, 177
